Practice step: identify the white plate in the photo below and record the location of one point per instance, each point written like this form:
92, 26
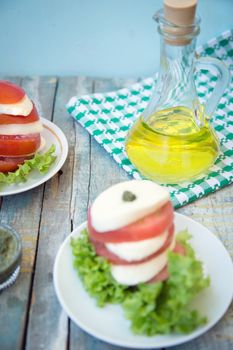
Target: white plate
109, 324
52, 135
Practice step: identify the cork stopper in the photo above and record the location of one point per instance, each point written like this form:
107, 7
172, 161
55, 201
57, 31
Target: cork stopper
180, 13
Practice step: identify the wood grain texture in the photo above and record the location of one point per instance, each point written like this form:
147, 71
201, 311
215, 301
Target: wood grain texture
103, 172
82, 166
30, 315
23, 212
216, 213
48, 324
16, 80
80, 199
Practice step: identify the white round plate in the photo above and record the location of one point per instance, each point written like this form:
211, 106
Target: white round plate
109, 324
52, 135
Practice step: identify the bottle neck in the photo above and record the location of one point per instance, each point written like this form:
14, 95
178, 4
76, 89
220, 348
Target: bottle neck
177, 62
175, 85
177, 71
177, 45
177, 56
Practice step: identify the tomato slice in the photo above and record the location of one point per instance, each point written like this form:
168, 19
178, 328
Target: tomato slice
11, 163
160, 277
150, 226
102, 250
19, 145
10, 93
179, 249
19, 119
164, 274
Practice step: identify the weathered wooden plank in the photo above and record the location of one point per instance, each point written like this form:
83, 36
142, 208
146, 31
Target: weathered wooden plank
107, 85
82, 165
48, 324
15, 80
103, 173
85, 161
104, 170
218, 215
80, 200
215, 212
22, 211
66, 198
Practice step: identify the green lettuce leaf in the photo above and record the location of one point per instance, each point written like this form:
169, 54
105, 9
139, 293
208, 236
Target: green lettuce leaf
95, 273
158, 308
170, 309
40, 162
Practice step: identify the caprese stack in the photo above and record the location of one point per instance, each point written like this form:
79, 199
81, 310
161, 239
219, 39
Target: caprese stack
20, 127
131, 225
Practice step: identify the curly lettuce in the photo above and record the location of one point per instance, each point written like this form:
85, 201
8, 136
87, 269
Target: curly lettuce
40, 162
157, 308
95, 272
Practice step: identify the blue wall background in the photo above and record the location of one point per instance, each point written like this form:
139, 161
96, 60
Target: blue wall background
105, 38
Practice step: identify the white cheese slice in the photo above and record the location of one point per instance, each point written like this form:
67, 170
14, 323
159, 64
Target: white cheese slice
22, 108
42, 144
133, 251
134, 274
21, 129
110, 212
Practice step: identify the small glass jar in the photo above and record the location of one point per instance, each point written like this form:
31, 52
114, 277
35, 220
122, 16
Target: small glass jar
10, 255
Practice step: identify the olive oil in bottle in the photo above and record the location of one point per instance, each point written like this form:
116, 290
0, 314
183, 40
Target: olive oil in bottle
173, 141
171, 147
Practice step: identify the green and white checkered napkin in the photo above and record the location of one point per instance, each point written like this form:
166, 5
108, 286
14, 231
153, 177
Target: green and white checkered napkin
108, 117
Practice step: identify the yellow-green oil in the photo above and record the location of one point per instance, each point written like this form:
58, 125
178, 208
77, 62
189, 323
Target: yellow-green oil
172, 145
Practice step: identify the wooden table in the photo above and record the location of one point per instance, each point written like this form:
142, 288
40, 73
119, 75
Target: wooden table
30, 315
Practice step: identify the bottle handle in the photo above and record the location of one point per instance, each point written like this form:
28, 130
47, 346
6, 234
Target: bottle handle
222, 82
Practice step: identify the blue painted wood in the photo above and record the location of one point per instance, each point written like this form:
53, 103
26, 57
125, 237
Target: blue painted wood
48, 324
30, 315
23, 212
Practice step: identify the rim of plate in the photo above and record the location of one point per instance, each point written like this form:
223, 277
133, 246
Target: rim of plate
62, 140
139, 345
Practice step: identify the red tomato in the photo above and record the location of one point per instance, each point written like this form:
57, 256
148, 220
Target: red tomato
10, 93
179, 249
164, 274
102, 250
12, 119
149, 226
10, 163
161, 276
19, 145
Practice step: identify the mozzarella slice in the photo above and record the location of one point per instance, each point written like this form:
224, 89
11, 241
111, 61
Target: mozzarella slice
42, 144
134, 274
22, 108
133, 251
110, 212
21, 129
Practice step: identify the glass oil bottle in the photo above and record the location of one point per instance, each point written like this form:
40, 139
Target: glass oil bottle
173, 141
